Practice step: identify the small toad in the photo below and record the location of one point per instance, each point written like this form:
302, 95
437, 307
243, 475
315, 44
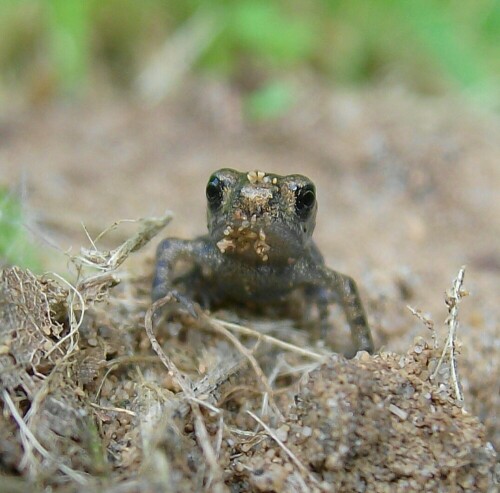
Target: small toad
258, 250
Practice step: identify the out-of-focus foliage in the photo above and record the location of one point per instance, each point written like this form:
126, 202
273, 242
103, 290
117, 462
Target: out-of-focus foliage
68, 38
269, 101
15, 245
52, 47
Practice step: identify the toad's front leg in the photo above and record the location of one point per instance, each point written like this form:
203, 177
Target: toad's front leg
169, 252
347, 293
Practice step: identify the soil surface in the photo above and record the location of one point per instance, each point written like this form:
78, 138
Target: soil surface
407, 192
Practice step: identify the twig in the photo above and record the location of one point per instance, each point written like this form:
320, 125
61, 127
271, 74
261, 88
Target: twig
113, 409
303, 469
184, 383
452, 301
271, 340
112, 259
220, 435
428, 322
206, 405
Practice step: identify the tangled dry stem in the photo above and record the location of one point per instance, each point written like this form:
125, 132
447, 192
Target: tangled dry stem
452, 300
110, 260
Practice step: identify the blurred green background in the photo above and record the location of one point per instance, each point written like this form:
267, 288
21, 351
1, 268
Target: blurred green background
264, 49
70, 47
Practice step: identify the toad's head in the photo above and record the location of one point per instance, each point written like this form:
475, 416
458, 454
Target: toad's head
261, 217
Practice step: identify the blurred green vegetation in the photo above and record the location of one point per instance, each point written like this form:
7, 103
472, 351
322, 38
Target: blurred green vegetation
16, 248
63, 47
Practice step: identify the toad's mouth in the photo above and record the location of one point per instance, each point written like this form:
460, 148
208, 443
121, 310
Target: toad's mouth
245, 239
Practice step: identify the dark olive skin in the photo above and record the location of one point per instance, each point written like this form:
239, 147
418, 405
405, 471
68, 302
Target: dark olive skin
258, 250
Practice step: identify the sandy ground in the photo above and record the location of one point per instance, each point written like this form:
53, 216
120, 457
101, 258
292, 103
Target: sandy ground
407, 189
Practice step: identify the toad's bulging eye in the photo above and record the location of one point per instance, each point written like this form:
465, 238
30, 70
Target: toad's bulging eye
215, 187
305, 198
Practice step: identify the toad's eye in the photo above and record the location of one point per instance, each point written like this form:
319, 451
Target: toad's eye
215, 187
305, 198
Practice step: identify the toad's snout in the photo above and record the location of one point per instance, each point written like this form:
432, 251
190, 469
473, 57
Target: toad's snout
255, 200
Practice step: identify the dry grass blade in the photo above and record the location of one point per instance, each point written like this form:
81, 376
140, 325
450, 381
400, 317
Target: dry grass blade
113, 409
453, 299
220, 329
271, 340
34, 443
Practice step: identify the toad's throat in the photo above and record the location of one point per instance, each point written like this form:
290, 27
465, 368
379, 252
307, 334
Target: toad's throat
244, 239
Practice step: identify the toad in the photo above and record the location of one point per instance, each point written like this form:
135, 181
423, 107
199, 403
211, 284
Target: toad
258, 250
